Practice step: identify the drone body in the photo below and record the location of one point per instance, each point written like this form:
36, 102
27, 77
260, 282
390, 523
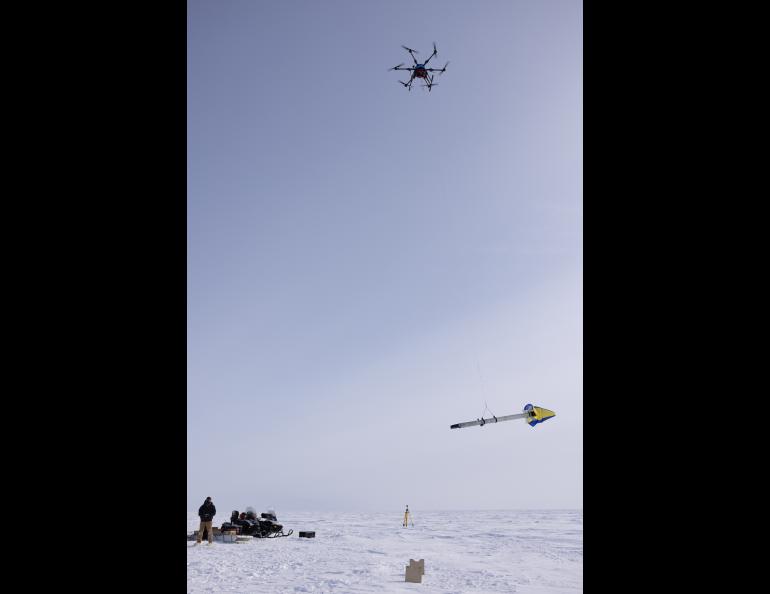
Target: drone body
420, 70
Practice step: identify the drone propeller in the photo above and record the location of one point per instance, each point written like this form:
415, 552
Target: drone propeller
394, 67
410, 50
444, 68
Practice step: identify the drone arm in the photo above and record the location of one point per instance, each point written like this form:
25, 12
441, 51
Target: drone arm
411, 53
440, 70
435, 52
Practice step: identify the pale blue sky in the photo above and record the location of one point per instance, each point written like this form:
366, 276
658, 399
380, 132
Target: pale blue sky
367, 265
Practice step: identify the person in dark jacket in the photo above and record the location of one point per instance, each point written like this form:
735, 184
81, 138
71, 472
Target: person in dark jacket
207, 511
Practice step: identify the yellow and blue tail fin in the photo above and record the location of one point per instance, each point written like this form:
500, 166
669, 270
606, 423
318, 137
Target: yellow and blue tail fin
537, 414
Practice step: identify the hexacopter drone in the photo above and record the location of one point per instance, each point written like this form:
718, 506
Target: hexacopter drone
420, 70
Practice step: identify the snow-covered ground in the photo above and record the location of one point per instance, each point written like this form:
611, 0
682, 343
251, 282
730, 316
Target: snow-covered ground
529, 552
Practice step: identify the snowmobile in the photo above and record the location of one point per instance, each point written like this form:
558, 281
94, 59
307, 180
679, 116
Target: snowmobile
247, 523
